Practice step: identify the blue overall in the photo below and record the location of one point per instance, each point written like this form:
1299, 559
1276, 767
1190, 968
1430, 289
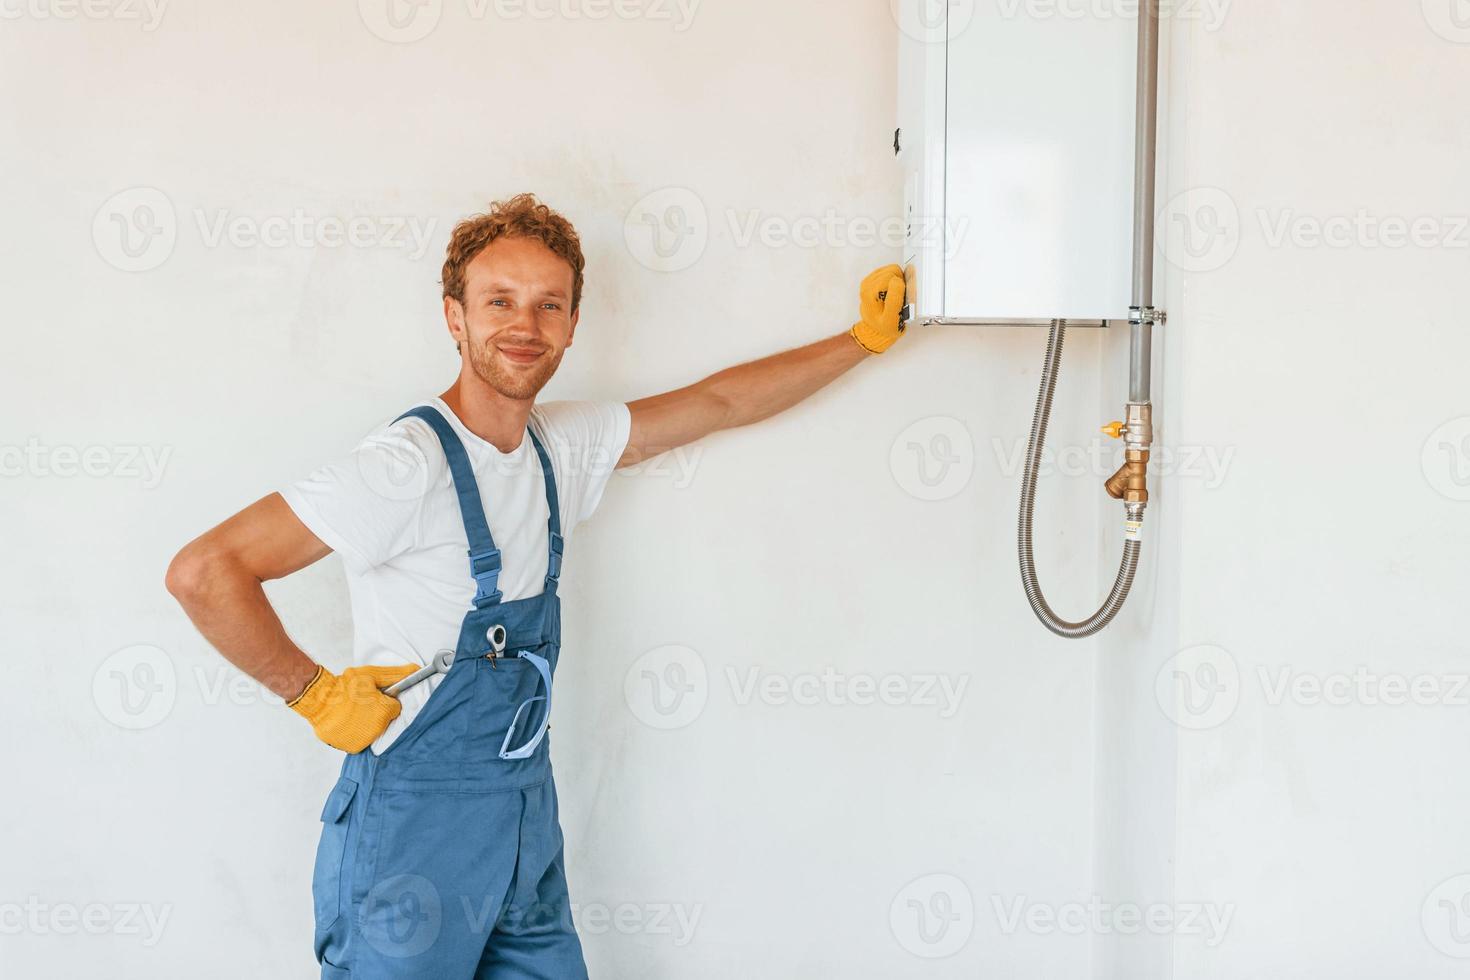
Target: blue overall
442, 856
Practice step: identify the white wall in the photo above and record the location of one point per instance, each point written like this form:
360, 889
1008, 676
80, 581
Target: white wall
1329, 826
1316, 527
797, 834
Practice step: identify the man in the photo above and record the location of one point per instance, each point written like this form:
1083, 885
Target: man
445, 804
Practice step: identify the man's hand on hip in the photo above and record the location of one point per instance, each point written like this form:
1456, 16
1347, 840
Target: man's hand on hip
350, 712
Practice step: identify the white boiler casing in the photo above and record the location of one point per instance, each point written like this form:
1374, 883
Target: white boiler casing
1016, 135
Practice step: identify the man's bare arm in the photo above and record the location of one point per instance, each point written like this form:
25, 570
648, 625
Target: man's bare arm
217, 579
737, 396
750, 392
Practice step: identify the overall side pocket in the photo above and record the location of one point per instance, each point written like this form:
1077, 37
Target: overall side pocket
326, 879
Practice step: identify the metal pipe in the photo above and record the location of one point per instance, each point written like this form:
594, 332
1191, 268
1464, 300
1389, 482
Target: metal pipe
1130, 482
1145, 158
1050, 366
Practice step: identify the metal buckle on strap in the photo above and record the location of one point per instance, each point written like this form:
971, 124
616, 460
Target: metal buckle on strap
485, 567
553, 562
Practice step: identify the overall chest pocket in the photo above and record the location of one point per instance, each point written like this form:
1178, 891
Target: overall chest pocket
326, 879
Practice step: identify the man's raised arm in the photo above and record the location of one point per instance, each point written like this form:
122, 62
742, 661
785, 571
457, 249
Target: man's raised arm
759, 389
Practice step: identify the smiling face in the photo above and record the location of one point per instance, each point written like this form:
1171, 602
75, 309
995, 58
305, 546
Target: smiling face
516, 321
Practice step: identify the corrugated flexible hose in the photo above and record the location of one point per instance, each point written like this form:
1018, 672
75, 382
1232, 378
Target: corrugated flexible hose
1124, 581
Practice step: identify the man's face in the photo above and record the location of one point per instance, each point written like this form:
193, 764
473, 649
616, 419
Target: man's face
517, 319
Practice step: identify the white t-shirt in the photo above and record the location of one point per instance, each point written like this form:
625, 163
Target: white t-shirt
390, 510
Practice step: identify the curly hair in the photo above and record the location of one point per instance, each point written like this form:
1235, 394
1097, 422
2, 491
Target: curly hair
522, 216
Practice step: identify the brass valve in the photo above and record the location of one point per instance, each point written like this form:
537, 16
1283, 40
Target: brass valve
1130, 483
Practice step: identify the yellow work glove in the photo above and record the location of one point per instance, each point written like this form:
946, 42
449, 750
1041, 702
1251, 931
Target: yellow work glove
349, 712
879, 328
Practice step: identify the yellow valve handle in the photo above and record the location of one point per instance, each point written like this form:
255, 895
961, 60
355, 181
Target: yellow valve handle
1114, 429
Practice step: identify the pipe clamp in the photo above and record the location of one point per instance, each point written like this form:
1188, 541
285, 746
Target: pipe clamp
1146, 315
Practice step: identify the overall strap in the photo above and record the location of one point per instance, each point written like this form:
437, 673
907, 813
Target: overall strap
484, 556
553, 522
